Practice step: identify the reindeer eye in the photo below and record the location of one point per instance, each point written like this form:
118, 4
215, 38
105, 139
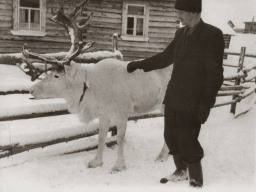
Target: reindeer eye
56, 76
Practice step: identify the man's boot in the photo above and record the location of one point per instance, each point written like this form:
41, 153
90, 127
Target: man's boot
195, 174
180, 174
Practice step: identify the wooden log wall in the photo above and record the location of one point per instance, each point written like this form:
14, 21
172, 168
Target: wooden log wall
107, 20
56, 39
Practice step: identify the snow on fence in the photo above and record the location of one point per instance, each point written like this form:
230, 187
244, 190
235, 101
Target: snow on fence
235, 85
25, 143
232, 85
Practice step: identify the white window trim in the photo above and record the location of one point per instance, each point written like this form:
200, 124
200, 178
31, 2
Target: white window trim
125, 15
16, 13
28, 33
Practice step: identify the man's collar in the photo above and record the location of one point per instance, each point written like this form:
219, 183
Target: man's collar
189, 30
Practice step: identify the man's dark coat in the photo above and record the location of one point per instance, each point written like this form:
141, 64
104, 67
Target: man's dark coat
197, 72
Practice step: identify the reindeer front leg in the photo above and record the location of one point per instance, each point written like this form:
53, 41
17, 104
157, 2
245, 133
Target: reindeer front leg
120, 163
104, 125
163, 155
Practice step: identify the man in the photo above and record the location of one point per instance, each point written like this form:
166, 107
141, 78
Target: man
196, 53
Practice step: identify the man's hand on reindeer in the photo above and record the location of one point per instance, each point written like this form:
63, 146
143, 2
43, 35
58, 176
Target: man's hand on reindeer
132, 66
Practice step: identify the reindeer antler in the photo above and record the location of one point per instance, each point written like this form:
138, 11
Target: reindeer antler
69, 23
74, 29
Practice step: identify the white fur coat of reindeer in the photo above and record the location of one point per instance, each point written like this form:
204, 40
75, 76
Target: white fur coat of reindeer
106, 91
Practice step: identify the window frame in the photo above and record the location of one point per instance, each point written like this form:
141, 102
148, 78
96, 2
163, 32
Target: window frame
16, 19
145, 17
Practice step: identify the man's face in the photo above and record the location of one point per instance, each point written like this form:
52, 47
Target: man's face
185, 17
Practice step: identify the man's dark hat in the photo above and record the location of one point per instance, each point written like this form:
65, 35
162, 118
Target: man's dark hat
189, 5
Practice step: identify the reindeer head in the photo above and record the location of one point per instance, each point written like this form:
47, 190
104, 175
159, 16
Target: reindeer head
59, 68
62, 81
50, 86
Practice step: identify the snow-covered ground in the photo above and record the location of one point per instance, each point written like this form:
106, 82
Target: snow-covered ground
229, 144
229, 162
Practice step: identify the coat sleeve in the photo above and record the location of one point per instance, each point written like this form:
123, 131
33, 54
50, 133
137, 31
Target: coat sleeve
160, 60
213, 68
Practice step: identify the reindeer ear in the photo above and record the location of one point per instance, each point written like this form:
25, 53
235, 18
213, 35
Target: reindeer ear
71, 69
75, 71
67, 70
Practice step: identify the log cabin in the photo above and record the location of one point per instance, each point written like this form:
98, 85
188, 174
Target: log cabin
145, 27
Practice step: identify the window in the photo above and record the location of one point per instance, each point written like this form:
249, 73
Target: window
135, 22
29, 17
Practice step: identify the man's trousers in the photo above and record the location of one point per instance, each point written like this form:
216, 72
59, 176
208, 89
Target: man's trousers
181, 134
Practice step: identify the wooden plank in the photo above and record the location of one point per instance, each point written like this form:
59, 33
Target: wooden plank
162, 35
6, 6
163, 18
6, 13
246, 55
164, 30
163, 9
50, 39
107, 20
107, 15
237, 82
165, 41
162, 24
154, 12
162, 4
141, 44
6, 24
5, 18
131, 53
34, 115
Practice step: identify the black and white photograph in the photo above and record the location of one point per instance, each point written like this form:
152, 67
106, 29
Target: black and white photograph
127, 95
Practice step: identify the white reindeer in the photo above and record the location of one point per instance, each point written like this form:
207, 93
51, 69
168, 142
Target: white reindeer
106, 91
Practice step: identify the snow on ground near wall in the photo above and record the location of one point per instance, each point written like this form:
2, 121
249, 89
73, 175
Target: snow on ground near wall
229, 161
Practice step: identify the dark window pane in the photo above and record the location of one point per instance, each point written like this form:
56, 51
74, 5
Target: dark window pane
130, 25
23, 24
130, 22
129, 31
140, 26
135, 10
35, 20
30, 3
23, 15
35, 16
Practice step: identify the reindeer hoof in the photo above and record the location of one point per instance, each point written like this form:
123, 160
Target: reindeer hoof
95, 163
162, 158
117, 169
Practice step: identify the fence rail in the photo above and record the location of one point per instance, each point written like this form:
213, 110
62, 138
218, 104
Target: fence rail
238, 54
238, 91
234, 88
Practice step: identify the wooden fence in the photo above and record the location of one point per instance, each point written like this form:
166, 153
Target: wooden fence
234, 87
231, 87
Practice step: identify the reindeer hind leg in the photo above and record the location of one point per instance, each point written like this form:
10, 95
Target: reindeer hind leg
104, 125
120, 163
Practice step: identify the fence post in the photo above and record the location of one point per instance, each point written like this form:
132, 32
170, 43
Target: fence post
237, 82
115, 42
